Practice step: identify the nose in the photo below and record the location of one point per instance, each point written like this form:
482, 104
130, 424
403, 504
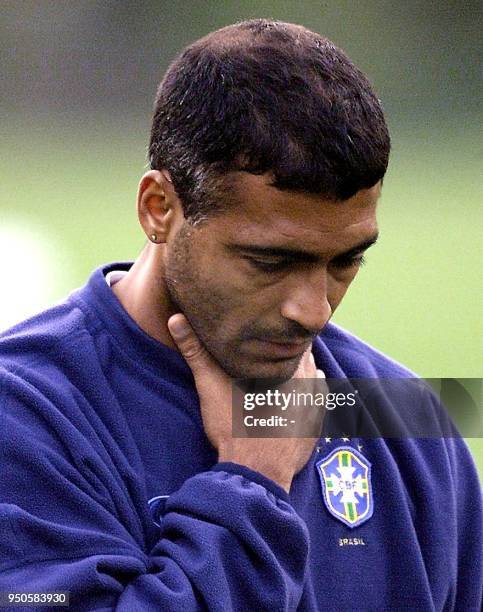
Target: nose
306, 301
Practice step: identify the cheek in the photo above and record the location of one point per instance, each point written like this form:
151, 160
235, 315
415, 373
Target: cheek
210, 297
228, 288
235, 308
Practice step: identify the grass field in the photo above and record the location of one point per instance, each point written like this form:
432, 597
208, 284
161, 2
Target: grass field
67, 206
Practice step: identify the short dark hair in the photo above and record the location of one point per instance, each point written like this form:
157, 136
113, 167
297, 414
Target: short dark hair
266, 96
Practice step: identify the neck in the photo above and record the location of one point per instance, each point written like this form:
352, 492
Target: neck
143, 294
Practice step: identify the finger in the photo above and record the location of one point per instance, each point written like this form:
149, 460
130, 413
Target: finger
188, 343
306, 367
310, 367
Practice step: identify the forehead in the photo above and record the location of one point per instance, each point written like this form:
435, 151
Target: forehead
261, 214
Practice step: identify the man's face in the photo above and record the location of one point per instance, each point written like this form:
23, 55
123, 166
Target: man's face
260, 281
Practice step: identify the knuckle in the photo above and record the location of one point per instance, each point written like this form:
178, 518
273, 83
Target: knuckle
193, 351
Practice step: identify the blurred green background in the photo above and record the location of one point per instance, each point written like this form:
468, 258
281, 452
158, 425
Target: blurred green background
78, 81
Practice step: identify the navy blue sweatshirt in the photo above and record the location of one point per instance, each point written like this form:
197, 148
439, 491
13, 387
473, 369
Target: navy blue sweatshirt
109, 488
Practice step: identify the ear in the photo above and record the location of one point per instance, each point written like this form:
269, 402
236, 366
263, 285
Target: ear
159, 208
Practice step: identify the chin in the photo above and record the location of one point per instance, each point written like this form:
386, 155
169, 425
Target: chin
241, 366
270, 370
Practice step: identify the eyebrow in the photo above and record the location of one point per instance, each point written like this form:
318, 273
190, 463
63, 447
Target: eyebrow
298, 254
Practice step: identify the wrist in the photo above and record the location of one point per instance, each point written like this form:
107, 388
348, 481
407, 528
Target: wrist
281, 479
253, 476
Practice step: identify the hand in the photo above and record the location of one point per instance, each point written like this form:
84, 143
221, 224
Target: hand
277, 458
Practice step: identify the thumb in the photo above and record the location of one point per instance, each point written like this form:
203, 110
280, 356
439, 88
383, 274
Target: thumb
187, 341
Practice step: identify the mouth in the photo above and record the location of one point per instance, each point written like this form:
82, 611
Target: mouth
279, 350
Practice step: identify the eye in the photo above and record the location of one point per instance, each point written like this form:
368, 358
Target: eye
349, 262
267, 265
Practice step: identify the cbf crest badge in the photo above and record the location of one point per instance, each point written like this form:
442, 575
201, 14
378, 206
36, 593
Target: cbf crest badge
345, 475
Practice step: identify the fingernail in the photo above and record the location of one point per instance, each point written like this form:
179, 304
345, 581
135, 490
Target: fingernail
178, 327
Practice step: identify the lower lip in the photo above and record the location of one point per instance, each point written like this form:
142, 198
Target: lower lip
280, 351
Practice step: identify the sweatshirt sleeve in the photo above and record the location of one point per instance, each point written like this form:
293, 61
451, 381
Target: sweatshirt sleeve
229, 538
469, 521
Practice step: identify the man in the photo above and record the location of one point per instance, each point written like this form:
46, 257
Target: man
121, 482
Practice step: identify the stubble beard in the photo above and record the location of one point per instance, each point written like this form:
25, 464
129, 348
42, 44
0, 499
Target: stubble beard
206, 327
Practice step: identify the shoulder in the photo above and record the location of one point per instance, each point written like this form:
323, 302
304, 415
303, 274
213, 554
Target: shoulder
49, 338
358, 358
55, 402
37, 339
37, 359
44, 359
